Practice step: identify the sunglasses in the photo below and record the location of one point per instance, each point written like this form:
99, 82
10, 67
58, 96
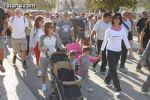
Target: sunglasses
42, 21
51, 27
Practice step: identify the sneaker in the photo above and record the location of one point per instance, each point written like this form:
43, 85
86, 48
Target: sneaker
123, 70
94, 69
39, 73
147, 93
44, 87
117, 93
89, 89
139, 70
108, 85
14, 60
24, 65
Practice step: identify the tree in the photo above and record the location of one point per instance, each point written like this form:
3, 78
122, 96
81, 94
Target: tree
111, 5
40, 4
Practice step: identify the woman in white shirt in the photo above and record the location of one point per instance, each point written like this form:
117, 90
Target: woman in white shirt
35, 35
48, 44
112, 41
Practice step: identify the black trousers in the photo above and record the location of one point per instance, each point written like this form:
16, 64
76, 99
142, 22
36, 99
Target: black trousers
113, 58
124, 53
104, 59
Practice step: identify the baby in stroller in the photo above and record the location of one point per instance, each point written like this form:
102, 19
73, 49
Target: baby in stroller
65, 84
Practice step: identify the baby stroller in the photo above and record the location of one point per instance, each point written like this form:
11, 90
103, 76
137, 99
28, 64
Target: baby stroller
65, 85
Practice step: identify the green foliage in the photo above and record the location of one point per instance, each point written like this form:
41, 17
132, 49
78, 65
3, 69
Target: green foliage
110, 4
40, 4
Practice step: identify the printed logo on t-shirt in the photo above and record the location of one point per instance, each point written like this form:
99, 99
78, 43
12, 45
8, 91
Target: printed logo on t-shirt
65, 28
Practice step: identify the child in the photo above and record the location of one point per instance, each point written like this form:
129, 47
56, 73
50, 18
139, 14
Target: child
73, 60
145, 59
84, 61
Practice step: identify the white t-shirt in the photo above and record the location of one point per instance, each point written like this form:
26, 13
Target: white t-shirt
35, 36
49, 43
114, 39
100, 28
18, 26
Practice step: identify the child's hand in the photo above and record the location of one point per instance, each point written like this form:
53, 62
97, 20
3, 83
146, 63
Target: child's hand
99, 57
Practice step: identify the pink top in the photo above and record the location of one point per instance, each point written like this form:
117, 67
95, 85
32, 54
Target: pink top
76, 47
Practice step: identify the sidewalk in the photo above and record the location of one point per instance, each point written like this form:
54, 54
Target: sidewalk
12, 87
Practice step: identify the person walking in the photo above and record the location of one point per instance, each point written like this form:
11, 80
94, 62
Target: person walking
145, 37
2, 38
64, 28
112, 41
141, 23
75, 24
99, 30
36, 33
19, 25
82, 26
48, 44
28, 31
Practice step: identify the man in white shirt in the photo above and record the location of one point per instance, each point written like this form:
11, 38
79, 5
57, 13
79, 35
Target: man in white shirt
18, 25
99, 30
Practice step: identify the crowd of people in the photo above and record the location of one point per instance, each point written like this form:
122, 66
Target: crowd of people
110, 34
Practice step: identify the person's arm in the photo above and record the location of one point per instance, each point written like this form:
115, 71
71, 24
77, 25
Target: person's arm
106, 37
93, 59
10, 23
72, 31
5, 29
93, 33
58, 41
31, 38
58, 27
146, 53
26, 24
141, 40
126, 41
41, 43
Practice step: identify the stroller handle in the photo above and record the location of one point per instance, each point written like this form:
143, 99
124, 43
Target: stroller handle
76, 82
